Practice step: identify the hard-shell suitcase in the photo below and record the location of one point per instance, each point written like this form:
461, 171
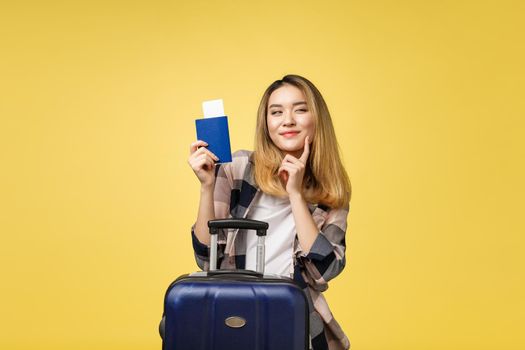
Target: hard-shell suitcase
235, 309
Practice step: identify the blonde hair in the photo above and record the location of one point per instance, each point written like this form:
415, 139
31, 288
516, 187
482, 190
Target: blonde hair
325, 180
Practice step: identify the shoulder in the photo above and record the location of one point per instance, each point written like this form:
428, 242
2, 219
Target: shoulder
241, 156
235, 169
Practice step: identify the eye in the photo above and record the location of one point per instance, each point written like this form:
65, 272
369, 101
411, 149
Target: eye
275, 112
302, 110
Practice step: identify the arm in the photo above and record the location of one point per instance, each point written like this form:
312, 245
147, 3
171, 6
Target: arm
326, 257
322, 250
206, 213
202, 162
292, 172
307, 230
199, 231
214, 203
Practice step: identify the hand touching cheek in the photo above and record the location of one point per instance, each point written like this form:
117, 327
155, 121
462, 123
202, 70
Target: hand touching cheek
292, 170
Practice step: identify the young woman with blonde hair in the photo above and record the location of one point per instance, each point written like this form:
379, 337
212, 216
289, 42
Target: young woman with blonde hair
295, 181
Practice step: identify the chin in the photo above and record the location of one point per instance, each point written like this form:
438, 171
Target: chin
291, 150
288, 148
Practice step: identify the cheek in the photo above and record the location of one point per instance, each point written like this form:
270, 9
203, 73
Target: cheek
272, 126
309, 124
271, 130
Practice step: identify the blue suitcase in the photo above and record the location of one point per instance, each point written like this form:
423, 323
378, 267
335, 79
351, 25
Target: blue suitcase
235, 309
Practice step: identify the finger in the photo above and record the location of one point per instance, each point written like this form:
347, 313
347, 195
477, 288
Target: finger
306, 150
205, 163
295, 167
204, 150
209, 158
288, 158
196, 158
195, 145
283, 174
290, 168
281, 170
291, 160
209, 165
210, 153
202, 158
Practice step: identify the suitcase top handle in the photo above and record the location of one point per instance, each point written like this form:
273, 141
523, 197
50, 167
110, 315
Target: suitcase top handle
260, 226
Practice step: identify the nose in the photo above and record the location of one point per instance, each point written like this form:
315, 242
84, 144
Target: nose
288, 119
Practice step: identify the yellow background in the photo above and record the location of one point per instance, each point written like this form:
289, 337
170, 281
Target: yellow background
98, 101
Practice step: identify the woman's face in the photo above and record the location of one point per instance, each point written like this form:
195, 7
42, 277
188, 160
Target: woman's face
289, 120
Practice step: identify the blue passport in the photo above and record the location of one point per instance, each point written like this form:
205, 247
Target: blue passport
214, 131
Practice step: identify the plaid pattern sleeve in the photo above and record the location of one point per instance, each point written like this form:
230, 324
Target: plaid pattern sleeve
326, 258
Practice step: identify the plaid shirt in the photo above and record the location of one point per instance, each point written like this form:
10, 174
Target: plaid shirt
235, 191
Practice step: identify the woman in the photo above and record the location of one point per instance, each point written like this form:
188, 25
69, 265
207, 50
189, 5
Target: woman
295, 181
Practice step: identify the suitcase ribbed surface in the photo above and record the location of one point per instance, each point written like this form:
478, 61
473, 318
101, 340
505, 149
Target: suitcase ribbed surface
235, 312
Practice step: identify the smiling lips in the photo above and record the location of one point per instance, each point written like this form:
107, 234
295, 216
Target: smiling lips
290, 133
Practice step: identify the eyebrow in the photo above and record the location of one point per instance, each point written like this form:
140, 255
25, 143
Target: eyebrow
294, 104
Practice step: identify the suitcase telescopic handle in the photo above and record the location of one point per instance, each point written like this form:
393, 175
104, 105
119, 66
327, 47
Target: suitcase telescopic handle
247, 224
260, 226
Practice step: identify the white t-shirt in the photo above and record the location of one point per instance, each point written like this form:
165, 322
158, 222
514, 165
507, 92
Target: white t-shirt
277, 212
